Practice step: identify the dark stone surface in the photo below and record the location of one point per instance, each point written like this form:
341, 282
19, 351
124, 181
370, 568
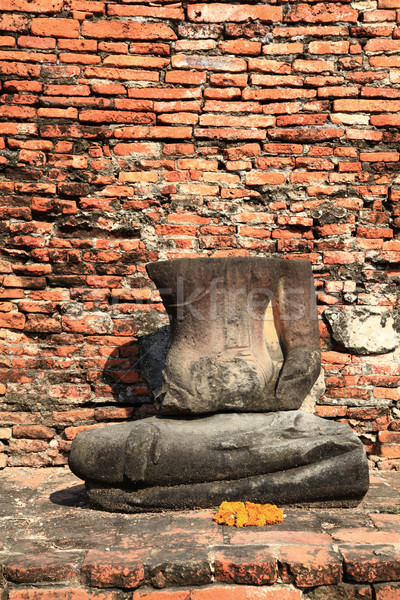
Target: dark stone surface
286, 457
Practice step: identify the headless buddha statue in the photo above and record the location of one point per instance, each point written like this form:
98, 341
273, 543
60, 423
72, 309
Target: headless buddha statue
228, 425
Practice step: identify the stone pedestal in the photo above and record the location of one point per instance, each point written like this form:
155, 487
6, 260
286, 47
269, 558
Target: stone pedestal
256, 446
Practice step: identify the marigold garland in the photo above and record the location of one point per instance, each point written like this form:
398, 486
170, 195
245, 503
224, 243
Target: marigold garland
245, 514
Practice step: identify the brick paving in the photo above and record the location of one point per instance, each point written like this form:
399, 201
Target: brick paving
53, 546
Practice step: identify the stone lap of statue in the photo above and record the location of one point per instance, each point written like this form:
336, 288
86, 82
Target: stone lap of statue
228, 426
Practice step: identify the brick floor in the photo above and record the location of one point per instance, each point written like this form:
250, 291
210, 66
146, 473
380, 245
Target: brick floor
53, 547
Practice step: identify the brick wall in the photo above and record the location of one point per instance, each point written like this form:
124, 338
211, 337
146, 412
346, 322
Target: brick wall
136, 132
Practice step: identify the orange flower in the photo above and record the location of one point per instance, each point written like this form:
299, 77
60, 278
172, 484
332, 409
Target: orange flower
245, 514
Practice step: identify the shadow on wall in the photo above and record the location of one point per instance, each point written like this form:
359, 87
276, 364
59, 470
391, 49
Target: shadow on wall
133, 371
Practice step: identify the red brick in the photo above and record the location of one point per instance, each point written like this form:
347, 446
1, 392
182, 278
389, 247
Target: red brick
44, 567
36, 432
278, 94
246, 150
251, 565
77, 45
177, 106
229, 79
12, 321
305, 134
315, 31
341, 47
126, 149
385, 120
382, 45
13, 22
321, 13
218, 106
222, 13
185, 77
310, 566
127, 30
87, 5
115, 116
264, 178
147, 62
366, 105
245, 592
163, 12
73, 416
373, 92
165, 93
60, 594
389, 451
19, 69
283, 48
40, 6
326, 411
372, 563
121, 74
114, 414
246, 47
270, 66
211, 63
337, 92
115, 568
137, 132
313, 66
387, 591
233, 93
254, 121
229, 133
161, 595
63, 28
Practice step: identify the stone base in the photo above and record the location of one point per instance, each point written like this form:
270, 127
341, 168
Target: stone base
331, 483
156, 464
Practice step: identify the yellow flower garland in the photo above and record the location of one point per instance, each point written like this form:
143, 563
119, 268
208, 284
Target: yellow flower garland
245, 514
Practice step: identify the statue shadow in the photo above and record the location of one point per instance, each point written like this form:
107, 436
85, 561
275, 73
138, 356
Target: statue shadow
142, 359
73, 496
134, 365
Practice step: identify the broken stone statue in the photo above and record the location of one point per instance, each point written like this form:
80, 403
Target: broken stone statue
228, 425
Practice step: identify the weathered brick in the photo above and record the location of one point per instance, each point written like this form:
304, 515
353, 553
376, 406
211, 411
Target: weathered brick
264, 178
59, 594
310, 566
127, 30
212, 63
321, 13
37, 432
387, 591
366, 105
146, 11
371, 563
114, 568
137, 132
40, 6
44, 567
245, 565
222, 13
246, 592
247, 47
63, 28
